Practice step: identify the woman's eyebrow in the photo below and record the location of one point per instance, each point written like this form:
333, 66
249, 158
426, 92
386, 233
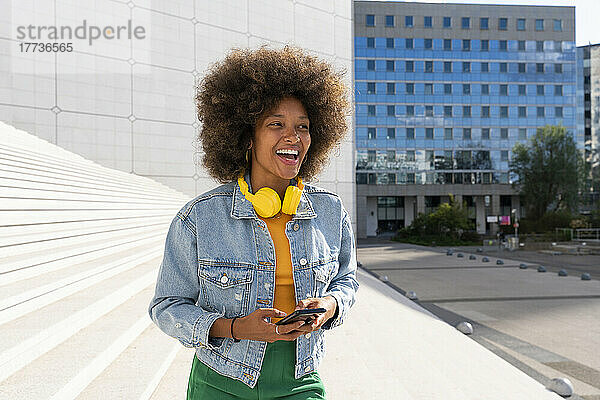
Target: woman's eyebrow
283, 116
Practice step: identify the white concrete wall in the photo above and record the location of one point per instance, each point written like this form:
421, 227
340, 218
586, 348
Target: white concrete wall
128, 104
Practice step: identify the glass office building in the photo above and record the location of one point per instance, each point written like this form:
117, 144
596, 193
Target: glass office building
443, 93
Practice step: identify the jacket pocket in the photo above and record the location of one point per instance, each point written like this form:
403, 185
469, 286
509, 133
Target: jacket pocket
225, 287
322, 277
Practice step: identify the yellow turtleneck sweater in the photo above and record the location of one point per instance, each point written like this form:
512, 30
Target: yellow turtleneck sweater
285, 298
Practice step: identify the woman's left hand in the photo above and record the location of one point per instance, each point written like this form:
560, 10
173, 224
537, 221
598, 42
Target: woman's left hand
328, 302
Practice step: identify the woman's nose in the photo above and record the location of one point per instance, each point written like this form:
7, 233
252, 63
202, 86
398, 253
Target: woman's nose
291, 135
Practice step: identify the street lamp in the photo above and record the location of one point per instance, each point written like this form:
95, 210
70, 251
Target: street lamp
516, 224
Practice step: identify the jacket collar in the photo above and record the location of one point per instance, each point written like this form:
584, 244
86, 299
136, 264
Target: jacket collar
242, 208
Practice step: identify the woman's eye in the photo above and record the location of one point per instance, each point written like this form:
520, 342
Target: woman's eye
275, 124
303, 127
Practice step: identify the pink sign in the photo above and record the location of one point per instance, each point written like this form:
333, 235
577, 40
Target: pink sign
505, 220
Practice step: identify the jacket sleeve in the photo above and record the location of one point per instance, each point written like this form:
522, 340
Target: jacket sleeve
344, 285
173, 308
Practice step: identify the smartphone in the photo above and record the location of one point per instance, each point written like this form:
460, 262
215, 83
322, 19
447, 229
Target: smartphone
306, 315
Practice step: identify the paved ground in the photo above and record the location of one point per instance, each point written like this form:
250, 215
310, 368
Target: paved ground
543, 324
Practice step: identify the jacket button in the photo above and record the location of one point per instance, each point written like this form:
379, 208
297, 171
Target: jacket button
307, 369
303, 261
296, 227
178, 325
224, 279
307, 335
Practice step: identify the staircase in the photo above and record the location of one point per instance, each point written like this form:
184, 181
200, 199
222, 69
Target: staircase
80, 248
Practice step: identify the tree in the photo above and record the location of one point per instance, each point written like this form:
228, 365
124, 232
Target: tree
550, 171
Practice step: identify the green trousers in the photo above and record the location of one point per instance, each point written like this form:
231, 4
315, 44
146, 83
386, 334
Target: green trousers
276, 380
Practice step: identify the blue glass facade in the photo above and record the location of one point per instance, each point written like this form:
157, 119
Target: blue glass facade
449, 111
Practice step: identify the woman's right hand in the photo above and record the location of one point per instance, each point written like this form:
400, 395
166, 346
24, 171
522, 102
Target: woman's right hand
256, 326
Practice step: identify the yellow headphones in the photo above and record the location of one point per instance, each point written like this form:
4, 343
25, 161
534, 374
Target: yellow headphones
266, 201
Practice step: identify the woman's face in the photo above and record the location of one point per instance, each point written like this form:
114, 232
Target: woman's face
281, 140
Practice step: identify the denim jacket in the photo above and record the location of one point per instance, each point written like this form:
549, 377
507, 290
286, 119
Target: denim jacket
219, 262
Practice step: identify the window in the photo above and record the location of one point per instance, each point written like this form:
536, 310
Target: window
503, 45
503, 90
389, 20
522, 68
539, 24
539, 90
466, 45
522, 90
408, 21
410, 111
370, 43
447, 23
410, 177
558, 68
447, 111
558, 46
447, 66
371, 133
539, 46
467, 111
448, 133
410, 88
429, 111
466, 88
521, 24
485, 133
539, 68
427, 22
391, 133
370, 87
522, 134
447, 44
485, 89
541, 112
447, 88
558, 90
429, 88
410, 134
503, 111
465, 22
408, 43
390, 88
485, 45
558, 25
428, 44
485, 111
484, 23
409, 66
370, 20
389, 65
521, 45
485, 67
391, 111
466, 66
503, 133
428, 133
504, 155
502, 24
466, 133
429, 66
389, 43
371, 110
522, 112
558, 112
370, 65
503, 67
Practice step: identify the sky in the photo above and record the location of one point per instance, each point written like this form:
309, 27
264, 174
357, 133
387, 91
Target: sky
587, 13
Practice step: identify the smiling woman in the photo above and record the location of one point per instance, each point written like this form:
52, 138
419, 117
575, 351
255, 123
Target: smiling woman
264, 244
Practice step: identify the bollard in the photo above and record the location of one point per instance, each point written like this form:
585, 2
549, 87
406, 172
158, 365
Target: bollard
562, 386
384, 278
411, 295
465, 327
